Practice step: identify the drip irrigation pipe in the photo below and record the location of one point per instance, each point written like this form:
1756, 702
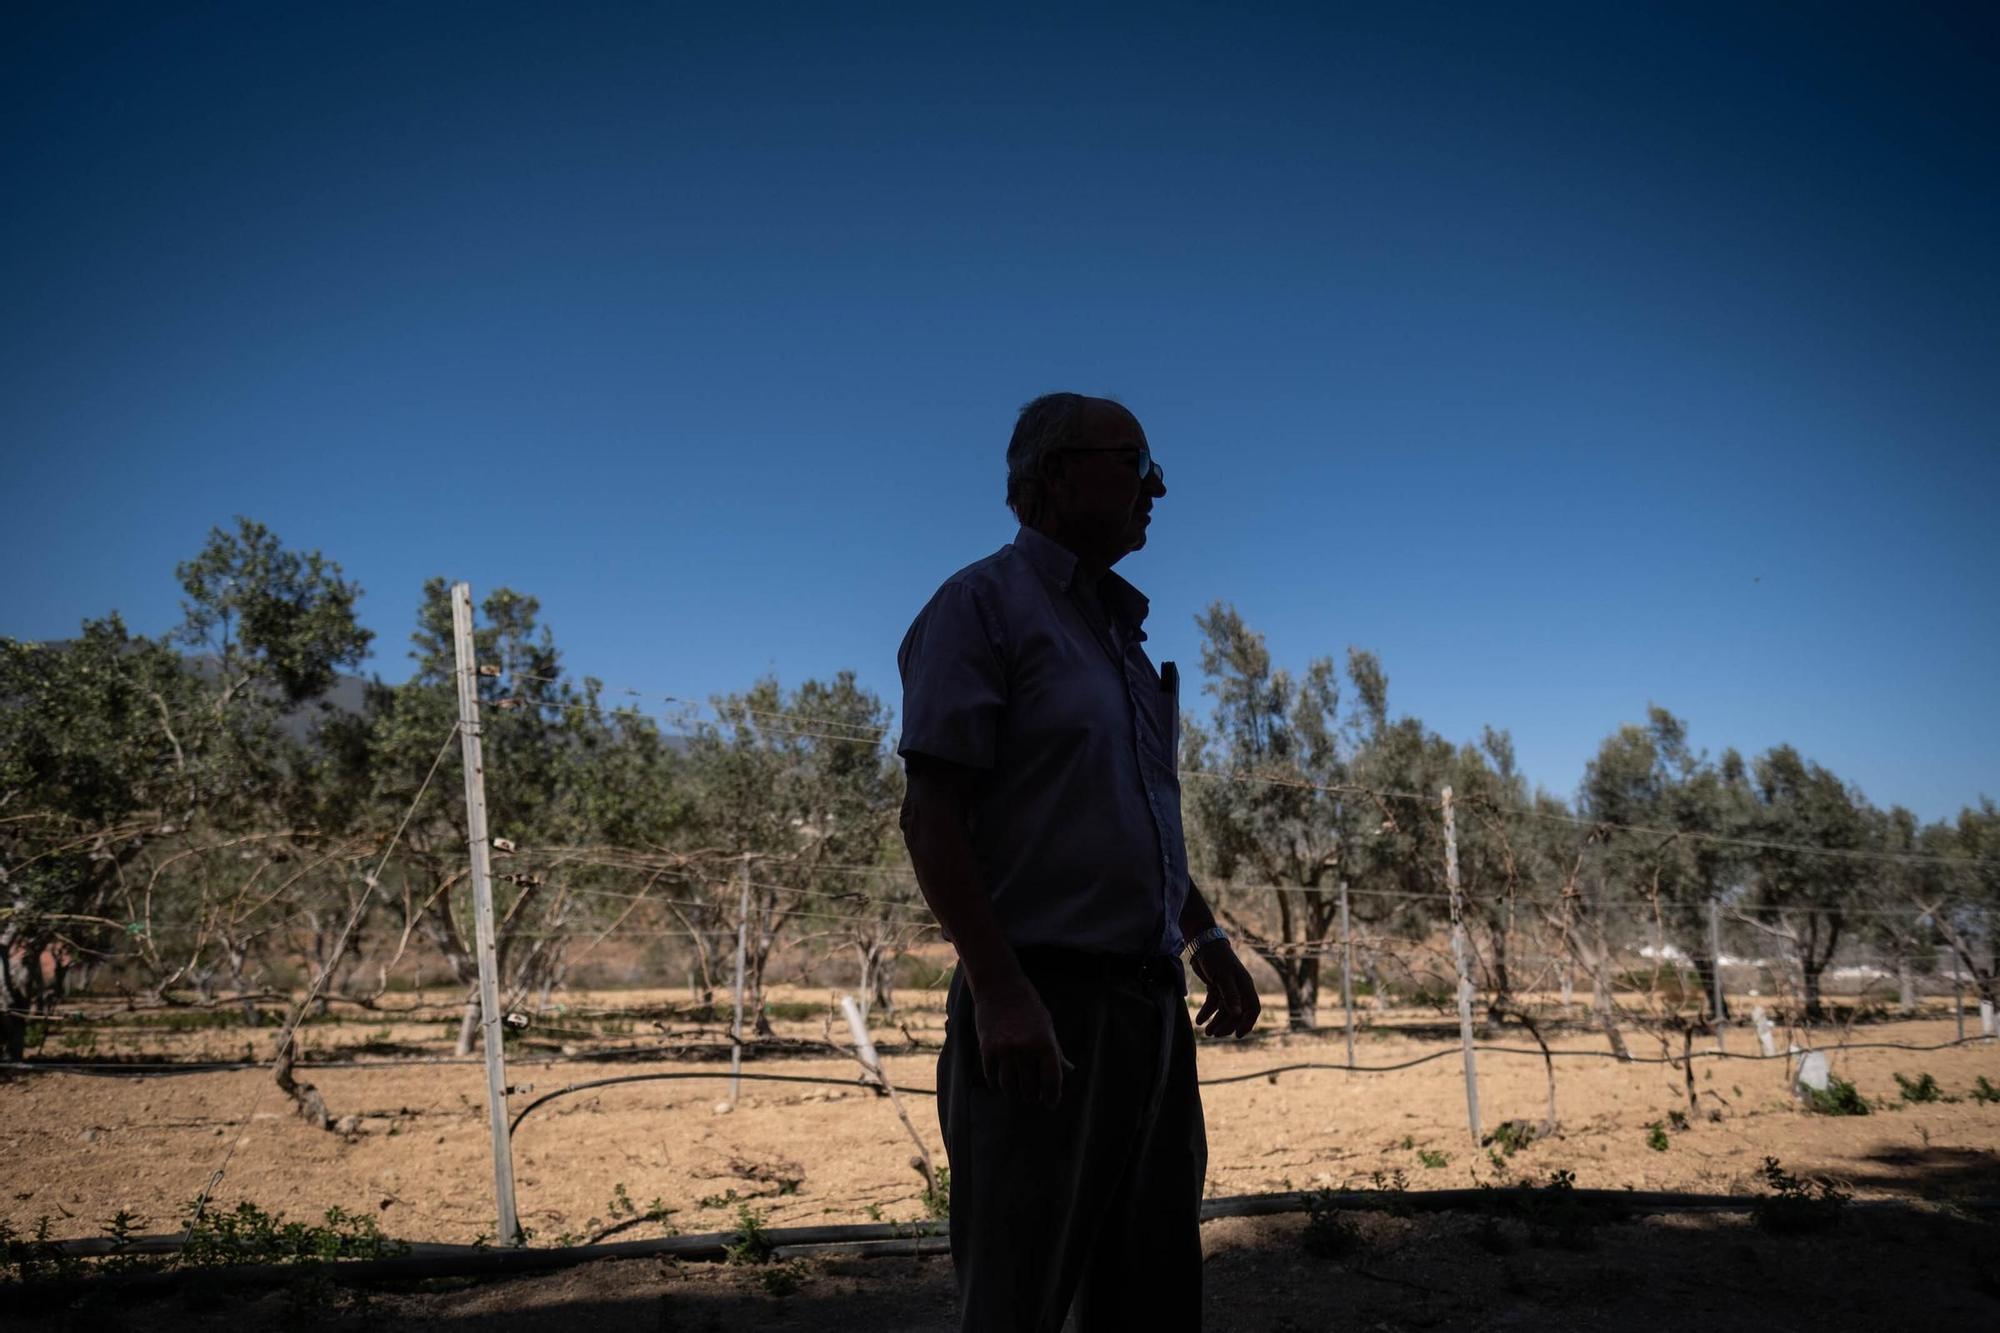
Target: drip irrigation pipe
1255, 1074
877, 1240
114, 1069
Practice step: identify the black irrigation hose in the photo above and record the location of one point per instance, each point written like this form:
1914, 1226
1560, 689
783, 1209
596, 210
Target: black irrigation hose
1271, 1073
864, 1240
113, 1069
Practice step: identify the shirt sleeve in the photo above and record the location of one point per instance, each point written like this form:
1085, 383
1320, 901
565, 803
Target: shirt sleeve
954, 689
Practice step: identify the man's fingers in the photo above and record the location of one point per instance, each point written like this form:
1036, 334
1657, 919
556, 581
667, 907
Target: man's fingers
1209, 1004
1248, 1006
1052, 1078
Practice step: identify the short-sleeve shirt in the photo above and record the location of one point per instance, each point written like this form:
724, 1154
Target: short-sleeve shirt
1028, 667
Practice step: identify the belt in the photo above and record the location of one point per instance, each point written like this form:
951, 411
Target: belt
1042, 960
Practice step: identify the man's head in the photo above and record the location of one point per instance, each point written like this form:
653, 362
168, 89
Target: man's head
1079, 470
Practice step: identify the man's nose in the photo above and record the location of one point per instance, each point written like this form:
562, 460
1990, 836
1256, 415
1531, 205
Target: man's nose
1155, 485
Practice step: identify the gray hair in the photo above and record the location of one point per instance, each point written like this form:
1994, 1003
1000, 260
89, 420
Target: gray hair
1047, 426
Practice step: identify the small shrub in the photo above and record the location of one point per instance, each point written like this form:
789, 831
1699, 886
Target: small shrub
121, 1230
248, 1234
1797, 1207
1923, 1088
1839, 1097
781, 1280
1556, 1214
752, 1244
33, 1258
1432, 1158
1510, 1136
1656, 1137
937, 1197
1983, 1091
1330, 1233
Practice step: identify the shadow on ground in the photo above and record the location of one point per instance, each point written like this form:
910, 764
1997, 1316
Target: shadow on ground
1930, 1173
1533, 1268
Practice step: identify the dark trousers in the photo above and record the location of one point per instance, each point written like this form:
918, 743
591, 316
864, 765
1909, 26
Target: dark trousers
1098, 1199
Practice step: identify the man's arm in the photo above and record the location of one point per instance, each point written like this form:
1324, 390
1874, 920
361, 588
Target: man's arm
1018, 1050
1231, 1006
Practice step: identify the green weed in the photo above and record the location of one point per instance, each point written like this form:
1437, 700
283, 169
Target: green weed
937, 1198
1432, 1158
752, 1244
1656, 1137
1797, 1207
1922, 1088
1839, 1097
1330, 1233
781, 1280
248, 1234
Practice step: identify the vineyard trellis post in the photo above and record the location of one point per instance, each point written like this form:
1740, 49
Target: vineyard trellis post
491, 1021
1458, 949
1715, 966
736, 1019
1347, 971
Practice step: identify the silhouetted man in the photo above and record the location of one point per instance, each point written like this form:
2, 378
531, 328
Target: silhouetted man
1043, 818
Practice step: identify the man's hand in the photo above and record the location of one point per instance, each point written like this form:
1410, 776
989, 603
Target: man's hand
1018, 1050
1231, 1006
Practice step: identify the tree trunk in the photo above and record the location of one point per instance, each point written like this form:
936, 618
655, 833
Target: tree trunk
13, 1022
1594, 957
468, 1025
885, 991
1810, 971
1497, 973
1704, 975
239, 958
753, 982
874, 985
1301, 980
1906, 984
443, 932
305, 1097
1607, 1014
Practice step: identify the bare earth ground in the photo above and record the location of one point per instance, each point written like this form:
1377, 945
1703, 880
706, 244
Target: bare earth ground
80, 1148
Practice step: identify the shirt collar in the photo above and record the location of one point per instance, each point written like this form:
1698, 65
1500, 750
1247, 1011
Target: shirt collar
1059, 565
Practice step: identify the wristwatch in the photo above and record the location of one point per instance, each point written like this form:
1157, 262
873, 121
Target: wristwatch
1206, 938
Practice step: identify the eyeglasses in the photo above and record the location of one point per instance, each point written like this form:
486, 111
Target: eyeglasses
1148, 469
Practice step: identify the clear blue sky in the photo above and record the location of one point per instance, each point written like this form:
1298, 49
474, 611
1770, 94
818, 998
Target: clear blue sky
1570, 357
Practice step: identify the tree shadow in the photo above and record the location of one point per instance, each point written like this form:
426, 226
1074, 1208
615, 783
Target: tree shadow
1525, 1266
1930, 1172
